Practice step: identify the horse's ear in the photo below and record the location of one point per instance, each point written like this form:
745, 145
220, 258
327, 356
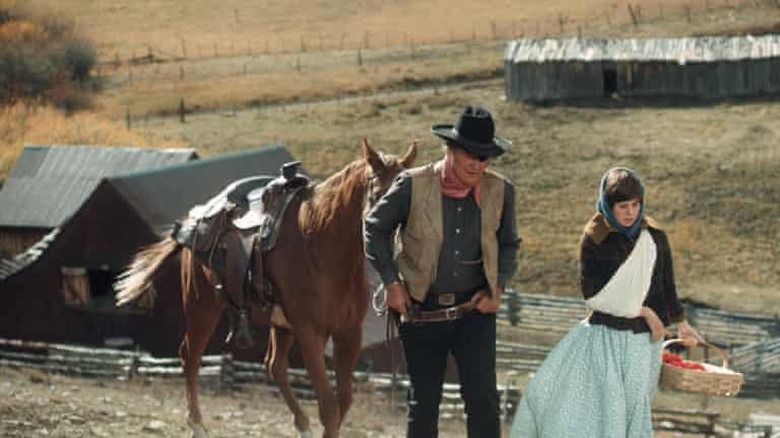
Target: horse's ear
371, 156
411, 155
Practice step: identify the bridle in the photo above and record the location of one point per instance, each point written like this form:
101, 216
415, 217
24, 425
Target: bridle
373, 196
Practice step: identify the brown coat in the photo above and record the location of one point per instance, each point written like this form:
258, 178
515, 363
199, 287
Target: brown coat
603, 249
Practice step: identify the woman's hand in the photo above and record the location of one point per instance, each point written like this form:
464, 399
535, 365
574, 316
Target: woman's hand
688, 334
398, 297
485, 303
657, 329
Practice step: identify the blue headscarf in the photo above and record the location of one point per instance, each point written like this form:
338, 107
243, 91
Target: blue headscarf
603, 206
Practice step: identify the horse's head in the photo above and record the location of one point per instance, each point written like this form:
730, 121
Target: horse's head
384, 168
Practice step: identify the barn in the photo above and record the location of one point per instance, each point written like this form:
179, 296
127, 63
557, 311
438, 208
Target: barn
91, 209
705, 68
49, 183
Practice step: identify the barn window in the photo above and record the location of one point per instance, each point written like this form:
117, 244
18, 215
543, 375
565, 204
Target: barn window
83, 287
75, 286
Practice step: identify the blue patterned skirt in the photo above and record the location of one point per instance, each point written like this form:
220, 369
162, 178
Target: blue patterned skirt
596, 383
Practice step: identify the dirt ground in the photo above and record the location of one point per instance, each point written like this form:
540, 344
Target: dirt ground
37, 404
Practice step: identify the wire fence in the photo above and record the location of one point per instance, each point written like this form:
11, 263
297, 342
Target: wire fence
189, 58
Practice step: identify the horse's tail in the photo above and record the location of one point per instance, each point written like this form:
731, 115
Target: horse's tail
138, 279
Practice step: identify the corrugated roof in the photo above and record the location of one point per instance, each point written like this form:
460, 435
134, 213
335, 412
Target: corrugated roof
680, 50
163, 195
49, 183
10, 266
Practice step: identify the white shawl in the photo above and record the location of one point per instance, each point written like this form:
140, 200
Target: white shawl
625, 292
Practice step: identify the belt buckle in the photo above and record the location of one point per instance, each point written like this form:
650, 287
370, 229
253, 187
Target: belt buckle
451, 313
446, 299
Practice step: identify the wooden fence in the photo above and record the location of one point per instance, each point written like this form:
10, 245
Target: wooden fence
228, 374
752, 342
532, 313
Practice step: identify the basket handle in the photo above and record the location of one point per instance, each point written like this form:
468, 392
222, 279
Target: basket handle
687, 343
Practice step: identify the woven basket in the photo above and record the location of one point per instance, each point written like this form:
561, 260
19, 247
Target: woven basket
716, 380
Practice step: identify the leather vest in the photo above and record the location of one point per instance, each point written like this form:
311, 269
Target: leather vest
423, 236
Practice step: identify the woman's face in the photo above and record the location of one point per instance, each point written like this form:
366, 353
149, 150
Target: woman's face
469, 168
626, 212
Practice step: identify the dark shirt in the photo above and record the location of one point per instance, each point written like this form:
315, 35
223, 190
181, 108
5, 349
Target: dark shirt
460, 261
599, 262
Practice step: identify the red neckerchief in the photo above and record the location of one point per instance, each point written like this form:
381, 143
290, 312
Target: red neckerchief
452, 186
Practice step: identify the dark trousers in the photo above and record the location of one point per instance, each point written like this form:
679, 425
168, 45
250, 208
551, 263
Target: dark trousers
472, 342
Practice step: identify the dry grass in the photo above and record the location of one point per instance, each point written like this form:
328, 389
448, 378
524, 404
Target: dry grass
253, 51
32, 124
710, 169
695, 160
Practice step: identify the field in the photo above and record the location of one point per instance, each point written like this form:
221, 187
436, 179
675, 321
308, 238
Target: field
318, 76
711, 169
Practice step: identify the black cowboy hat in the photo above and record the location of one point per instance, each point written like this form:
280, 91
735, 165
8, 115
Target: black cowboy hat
474, 131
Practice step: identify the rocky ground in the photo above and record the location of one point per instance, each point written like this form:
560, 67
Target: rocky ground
36, 404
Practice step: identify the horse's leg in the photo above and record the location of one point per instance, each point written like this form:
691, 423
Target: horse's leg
346, 349
202, 315
313, 351
277, 361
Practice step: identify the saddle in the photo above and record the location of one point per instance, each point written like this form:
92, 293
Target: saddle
239, 223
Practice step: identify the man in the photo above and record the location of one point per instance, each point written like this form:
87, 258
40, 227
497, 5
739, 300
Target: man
457, 227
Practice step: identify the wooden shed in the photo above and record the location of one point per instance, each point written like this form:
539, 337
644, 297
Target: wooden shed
703, 68
49, 183
60, 288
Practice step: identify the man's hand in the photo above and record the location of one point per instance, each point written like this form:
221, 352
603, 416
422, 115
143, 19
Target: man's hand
657, 329
398, 297
485, 303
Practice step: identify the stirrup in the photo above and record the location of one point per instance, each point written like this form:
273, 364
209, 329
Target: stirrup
243, 335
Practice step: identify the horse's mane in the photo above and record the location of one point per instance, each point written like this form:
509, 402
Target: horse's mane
333, 196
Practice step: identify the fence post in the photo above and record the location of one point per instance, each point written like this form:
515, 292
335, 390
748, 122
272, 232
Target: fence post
227, 372
512, 306
634, 18
760, 356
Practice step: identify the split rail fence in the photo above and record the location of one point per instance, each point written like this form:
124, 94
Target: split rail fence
529, 326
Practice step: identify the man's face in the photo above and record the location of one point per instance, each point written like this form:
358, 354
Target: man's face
469, 168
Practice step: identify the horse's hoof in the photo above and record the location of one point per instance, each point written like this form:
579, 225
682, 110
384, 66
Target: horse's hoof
198, 431
305, 434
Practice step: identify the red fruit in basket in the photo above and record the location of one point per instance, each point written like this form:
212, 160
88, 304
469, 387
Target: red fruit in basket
677, 361
671, 358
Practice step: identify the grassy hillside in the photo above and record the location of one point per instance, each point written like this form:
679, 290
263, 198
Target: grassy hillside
711, 173
711, 170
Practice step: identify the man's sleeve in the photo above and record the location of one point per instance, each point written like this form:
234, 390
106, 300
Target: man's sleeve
508, 240
381, 223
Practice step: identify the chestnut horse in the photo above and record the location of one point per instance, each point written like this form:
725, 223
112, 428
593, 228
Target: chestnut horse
316, 269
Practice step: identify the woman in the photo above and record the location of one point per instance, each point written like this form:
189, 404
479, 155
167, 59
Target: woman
598, 381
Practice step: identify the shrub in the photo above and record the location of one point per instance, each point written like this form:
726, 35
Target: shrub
80, 57
40, 58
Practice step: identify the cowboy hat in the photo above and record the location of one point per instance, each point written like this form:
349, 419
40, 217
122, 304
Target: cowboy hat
474, 131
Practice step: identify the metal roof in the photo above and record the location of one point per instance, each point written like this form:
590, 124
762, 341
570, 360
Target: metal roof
49, 183
163, 195
680, 50
10, 266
